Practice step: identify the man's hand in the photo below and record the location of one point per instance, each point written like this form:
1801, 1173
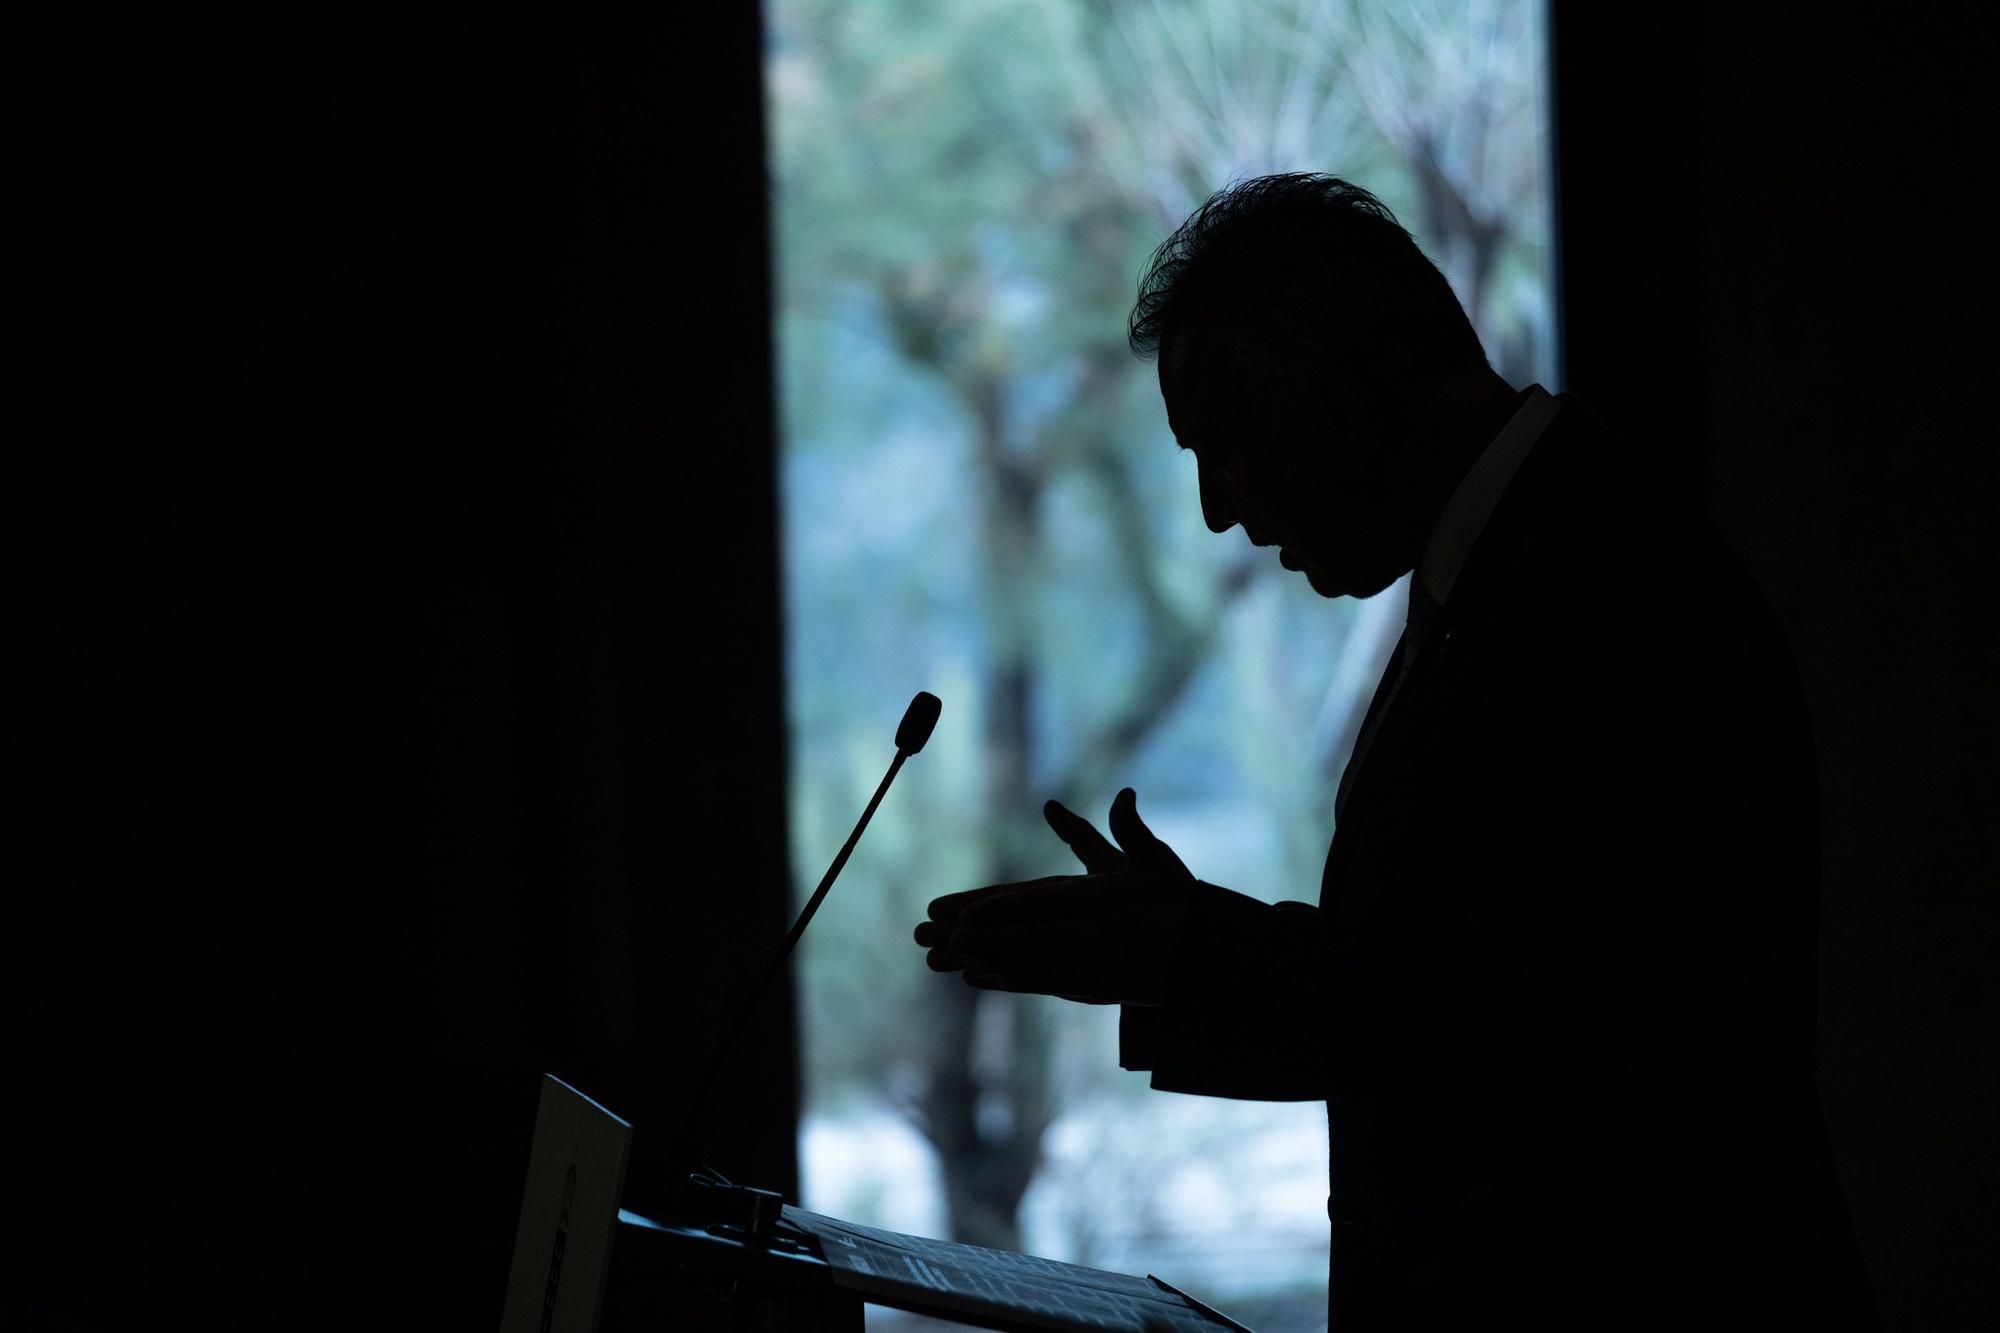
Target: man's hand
1103, 937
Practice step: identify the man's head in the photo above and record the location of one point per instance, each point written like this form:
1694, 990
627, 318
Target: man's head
1322, 372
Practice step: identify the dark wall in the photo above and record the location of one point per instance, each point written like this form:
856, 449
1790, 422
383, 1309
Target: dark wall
1812, 292
396, 605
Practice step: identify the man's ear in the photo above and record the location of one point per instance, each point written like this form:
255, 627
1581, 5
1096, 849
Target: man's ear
1352, 411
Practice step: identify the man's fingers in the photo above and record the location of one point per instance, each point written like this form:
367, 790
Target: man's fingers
1065, 986
1076, 936
1092, 848
952, 905
1038, 941
1061, 898
943, 960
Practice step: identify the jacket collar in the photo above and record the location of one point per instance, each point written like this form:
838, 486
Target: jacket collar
1466, 513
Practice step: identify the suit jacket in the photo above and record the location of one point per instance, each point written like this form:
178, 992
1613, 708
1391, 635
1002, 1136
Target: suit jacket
1558, 991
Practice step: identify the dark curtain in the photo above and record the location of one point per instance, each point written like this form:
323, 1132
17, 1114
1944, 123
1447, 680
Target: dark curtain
398, 710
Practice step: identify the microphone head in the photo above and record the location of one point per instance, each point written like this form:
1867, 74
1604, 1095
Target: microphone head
918, 720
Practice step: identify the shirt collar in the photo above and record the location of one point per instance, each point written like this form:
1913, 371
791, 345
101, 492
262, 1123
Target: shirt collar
1478, 494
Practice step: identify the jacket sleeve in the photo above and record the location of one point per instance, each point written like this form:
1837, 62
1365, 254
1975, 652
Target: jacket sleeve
1609, 847
1242, 997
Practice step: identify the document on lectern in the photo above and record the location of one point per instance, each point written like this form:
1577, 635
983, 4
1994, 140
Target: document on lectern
1016, 1290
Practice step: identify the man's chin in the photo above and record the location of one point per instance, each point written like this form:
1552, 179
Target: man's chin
1348, 585
1322, 585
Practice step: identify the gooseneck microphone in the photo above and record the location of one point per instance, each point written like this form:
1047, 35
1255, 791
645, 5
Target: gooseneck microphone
911, 733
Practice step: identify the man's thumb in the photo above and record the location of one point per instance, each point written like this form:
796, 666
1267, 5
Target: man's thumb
1133, 835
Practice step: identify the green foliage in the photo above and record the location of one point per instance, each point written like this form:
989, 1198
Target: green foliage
981, 495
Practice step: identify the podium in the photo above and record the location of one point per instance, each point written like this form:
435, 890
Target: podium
778, 1269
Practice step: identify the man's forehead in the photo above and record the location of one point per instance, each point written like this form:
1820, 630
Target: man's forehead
1173, 390
1198, 381
1183, 381
1200, 360
1174, 354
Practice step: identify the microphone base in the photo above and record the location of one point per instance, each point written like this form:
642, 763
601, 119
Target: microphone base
743, 1209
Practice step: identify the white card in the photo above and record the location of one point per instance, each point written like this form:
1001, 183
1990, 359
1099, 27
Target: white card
569, 1210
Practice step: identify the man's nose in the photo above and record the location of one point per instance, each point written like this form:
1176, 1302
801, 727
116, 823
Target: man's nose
1216, 509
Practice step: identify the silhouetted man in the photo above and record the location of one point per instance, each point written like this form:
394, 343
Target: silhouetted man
1558, 989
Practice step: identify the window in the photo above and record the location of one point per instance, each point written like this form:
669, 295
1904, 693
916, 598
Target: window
981, 498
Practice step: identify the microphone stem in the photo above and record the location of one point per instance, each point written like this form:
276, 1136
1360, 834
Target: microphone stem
749, 1005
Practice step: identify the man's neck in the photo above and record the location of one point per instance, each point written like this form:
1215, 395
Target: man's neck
1458, 417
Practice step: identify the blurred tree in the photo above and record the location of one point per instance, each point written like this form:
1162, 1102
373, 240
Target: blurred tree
965, 195
1450, 86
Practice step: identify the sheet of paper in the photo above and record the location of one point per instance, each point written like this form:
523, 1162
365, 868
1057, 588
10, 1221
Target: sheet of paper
997, 1285
569, 1209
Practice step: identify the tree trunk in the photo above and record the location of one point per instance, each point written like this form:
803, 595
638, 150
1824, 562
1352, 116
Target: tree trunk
987, 1104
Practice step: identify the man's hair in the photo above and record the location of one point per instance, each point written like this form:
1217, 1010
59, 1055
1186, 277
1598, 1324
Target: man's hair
1302, 273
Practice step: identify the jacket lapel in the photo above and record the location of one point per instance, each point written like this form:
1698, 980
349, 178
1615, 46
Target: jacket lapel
1369, 721
1384, 767
1382, 760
